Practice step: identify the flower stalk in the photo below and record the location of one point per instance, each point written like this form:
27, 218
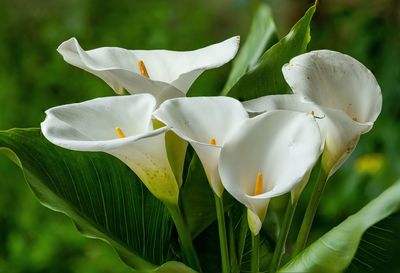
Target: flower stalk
255, 254
280, 246
311, 210
185, 239
219, 206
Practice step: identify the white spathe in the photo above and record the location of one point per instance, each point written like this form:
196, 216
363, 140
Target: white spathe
339, 133
198, 120
281, 145
91, 126
171, 73
341, 92
337, 81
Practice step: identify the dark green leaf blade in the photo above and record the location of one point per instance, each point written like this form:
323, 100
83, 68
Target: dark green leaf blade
100, 194
173, 267
333, 252
266, 77
197, 198
262, 34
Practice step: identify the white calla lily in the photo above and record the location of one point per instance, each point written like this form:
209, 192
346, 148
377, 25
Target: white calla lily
341, 85
268, 156
122, 127
337, 81
205, 122
163, 73
339, 133
342, 94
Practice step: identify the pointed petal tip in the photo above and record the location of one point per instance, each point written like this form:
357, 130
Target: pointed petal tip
66, 45
237, 38
232, 47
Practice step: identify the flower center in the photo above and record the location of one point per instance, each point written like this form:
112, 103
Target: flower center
142, 69
119, 132
258, 189
213, 141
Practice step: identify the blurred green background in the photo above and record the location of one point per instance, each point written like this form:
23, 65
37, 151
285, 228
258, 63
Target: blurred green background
33, 77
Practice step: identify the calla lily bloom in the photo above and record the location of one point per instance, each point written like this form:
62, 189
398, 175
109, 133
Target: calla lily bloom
205, 122
122, 127
163, 73
342, 93
269, 155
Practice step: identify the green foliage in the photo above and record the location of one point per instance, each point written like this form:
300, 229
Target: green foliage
101, 195
175, 267
333, 252
197, 198
261, 35
266, 77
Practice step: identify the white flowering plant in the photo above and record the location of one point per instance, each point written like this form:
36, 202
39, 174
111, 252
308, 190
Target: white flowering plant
183, 184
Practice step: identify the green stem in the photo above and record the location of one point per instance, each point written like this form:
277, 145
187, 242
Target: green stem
244, 226
283, 234
234, 265
223, 242
310, 212
185, 238
255, 254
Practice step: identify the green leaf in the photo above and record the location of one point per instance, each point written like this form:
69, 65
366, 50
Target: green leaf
173, 267
334, 251
262, 34
197, 198
266, 77
102, 196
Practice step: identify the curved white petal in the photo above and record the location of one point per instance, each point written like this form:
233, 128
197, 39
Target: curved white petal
181, 68
292, 102
209, 156
282, 145
200, 119
254, 220
171, 72
147, 157
90, 126
335, 80
339, 133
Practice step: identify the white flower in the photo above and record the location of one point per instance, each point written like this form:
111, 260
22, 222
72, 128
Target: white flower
342, 94
163, 73
205, 122
268, 156
121, 126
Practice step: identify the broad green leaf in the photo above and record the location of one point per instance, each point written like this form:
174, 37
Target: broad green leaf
173, 267
102, 196
197, 199
334, 251
378, 248
266, 77
262, 34
207, 243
